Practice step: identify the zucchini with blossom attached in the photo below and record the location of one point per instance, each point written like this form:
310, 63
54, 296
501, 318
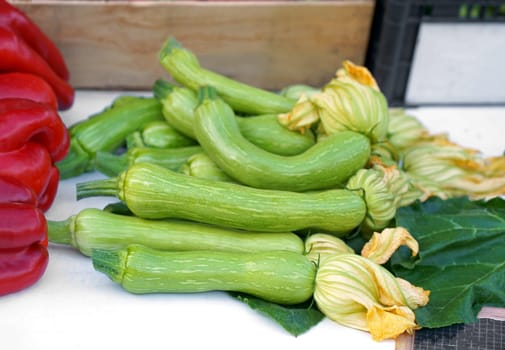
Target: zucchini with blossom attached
153, 192
347, 288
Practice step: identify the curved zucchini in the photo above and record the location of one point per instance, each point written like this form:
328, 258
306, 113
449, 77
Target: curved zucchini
184, 67
264, 131
327, 164
267, 133
153, 192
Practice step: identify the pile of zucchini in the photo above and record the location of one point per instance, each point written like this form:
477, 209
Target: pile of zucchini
215, 193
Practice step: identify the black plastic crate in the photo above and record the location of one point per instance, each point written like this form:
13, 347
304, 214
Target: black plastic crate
395, 29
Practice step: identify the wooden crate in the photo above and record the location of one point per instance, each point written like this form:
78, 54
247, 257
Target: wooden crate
114, 44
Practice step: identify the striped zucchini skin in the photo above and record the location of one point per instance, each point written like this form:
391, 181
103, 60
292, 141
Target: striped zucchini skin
184, 67
160, 134
277, 276
154, 192
327, 164
170, 158
264, 131
96, 229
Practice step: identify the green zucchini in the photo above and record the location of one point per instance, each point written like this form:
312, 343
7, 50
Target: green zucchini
267, 133
200, 165
178, 105
170, 158
264, 131
153, 192
327, 164
184, 67
106, 132
160, 134
278, 276
97, 229
297, 90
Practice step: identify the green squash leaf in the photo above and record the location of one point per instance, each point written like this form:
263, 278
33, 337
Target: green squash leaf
295, 319
461, 257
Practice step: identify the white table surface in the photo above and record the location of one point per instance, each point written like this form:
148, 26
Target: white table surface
75, 307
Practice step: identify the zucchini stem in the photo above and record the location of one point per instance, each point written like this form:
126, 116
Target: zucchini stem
162, 88
60, 231
206, 92
109, 262
76, 162
111, 164
97, 188
168, 47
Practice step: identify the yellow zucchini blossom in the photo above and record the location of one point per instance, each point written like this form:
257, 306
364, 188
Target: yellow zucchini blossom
320, 245
378, 196
347, 105
356, 292
435, 165
495, 166
399, 182
405, 130
382, 245
357, 74
443, 169
351, 101
303, 115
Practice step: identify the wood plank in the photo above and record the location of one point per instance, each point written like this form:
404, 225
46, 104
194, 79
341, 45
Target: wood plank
114, 44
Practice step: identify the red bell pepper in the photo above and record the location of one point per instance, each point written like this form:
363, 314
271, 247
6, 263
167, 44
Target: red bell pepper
23, 237
21, 267
13, 18
13, 191
17, 56
23, 120
29, 86
22, 224
31, 164
46, 198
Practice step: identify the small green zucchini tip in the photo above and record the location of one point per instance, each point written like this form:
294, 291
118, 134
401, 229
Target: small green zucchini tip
170, 44
206, 93
107, 262
161, 89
